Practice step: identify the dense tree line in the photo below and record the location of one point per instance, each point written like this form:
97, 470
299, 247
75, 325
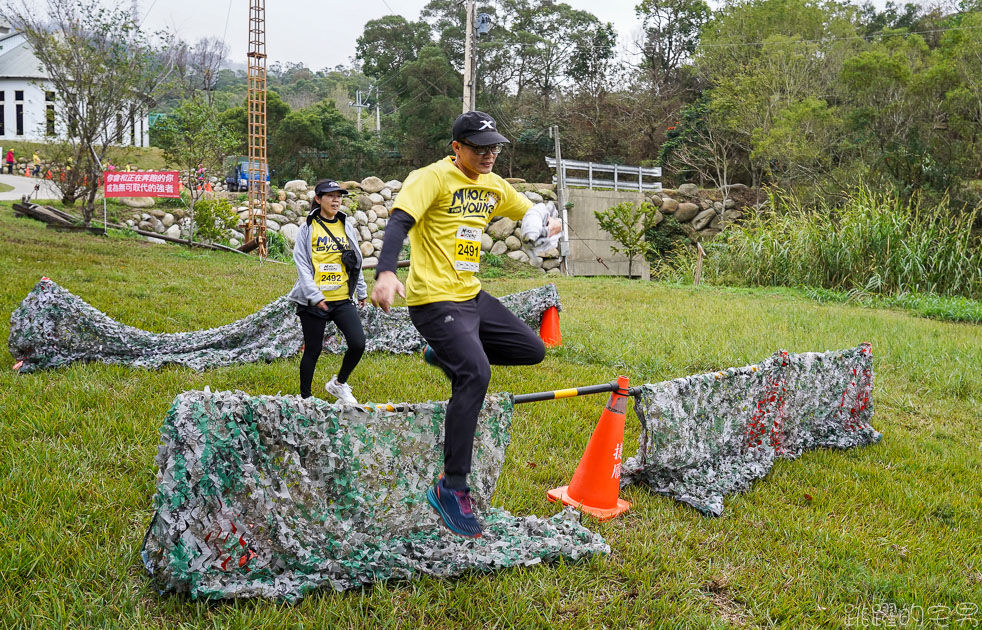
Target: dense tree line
813, 95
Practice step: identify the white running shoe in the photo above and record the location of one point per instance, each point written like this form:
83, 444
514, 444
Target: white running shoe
341, 391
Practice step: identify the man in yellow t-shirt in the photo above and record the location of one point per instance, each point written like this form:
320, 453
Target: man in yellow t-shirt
444, 207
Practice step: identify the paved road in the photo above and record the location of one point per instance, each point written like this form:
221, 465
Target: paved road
25, 186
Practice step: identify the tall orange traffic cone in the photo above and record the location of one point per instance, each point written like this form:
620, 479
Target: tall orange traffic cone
597, 478
549, 328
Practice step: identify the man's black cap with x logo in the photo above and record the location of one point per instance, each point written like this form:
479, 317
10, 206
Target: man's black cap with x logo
477, 128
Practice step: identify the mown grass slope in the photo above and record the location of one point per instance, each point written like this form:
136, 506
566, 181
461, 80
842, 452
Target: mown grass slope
812, 545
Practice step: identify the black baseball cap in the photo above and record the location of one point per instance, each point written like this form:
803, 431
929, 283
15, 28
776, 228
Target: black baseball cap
477, 128
328, 185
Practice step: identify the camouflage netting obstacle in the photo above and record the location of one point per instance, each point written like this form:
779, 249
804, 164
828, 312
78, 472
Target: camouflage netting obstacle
709, 435
394, 332
53, 327
274, 496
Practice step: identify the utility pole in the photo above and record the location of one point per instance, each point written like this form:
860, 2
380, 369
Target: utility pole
378, 115
561, 197
358, 104
470, 62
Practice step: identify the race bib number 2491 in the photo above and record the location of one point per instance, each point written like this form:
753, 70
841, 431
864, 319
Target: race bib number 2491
467, 249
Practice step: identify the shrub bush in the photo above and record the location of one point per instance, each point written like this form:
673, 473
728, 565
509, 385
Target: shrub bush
214, 219
665, 239
277, 247
628, 224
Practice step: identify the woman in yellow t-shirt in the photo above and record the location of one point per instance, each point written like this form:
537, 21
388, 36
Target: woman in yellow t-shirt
328, 279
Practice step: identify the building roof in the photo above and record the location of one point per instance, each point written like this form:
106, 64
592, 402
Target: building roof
19, 62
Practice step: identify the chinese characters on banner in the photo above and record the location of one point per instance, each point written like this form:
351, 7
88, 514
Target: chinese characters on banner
145, 184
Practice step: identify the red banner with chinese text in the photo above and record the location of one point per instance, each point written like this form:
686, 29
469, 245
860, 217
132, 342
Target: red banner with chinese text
143, 184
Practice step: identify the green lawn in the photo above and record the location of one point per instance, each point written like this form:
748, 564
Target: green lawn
149, 158
893, 524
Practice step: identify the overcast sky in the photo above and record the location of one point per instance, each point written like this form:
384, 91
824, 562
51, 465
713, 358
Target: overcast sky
322, 34
318, 33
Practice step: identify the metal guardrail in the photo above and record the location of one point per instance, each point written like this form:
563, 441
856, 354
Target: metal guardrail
634, 176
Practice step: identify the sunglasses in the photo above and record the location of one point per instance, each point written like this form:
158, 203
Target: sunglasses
493, 148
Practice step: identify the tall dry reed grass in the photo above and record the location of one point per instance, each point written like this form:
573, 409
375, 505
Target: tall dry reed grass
874, 242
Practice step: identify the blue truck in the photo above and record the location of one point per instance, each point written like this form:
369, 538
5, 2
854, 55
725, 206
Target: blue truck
237, 174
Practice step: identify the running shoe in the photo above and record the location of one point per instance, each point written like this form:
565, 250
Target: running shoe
341, 391
430, 358
454, 507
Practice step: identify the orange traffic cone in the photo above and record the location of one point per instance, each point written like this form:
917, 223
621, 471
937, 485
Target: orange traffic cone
597, 478
549, 328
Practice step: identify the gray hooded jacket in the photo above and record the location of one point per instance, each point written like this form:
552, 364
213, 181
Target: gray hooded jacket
305, 291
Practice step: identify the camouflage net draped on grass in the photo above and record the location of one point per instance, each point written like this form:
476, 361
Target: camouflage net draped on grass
709, 435
394, 332
53, 327
274, 496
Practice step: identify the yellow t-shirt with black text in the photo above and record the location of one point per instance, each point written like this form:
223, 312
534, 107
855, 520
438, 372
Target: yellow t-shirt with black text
330, 275
451, 211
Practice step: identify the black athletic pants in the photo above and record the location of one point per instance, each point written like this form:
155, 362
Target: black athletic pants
313, 321
468, 337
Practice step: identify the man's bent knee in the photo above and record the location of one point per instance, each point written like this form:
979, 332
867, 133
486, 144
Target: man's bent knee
476, 374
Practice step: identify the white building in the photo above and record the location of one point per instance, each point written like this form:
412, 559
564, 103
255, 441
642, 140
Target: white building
29, 107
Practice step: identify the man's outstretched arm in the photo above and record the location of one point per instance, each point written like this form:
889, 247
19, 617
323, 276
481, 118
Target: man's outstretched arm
387, 284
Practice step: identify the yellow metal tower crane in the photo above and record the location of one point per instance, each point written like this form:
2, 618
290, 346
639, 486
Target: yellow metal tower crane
258, 167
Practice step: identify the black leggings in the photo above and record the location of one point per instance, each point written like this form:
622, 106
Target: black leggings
345, 317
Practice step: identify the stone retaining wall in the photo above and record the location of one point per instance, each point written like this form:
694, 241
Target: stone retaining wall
370, 201
701, 213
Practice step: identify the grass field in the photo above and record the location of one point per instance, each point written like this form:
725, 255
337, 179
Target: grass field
817, 543
149, 158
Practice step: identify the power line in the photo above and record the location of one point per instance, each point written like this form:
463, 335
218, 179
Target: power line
228, 14
422, 92
146, 13
395, 74
501, 119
